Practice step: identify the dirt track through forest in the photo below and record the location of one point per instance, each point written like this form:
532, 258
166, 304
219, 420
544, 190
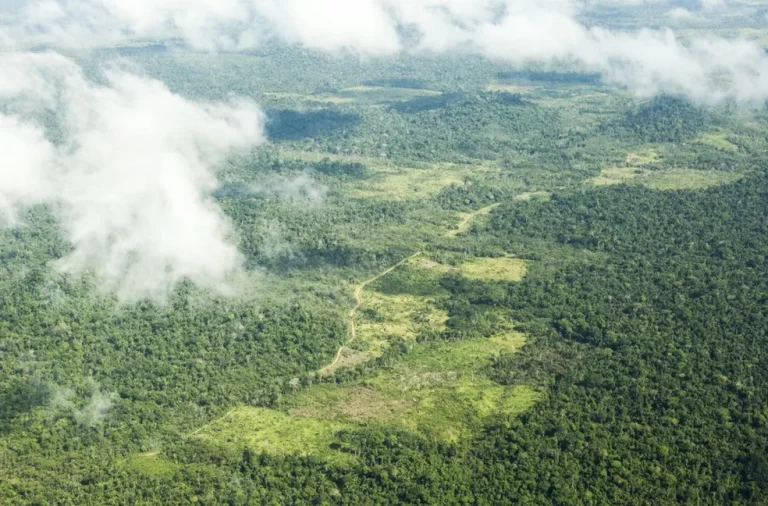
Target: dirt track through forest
201, 429
463, 225
359, 289
352, 332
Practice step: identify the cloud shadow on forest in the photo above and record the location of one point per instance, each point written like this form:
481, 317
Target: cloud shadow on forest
20, 397
292, 125
430, 103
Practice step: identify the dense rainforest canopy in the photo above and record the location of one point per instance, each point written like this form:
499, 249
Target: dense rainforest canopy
576, 279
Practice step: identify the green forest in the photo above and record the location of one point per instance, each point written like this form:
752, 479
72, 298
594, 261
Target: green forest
468, 283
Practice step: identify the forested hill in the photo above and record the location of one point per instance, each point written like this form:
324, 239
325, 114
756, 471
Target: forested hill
647, 322
657, 353
464, 283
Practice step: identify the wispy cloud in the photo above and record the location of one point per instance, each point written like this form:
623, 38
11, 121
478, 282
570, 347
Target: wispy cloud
519, 31
131, 176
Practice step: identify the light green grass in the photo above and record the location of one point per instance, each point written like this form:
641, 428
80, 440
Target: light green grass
437, 390
277, 433
392, 183
717, 140
401, 316
685, 179
466, 220
151, 464
456, 411
407, 186
495, 269
642, 157
674, 179
508, 87
372, 95
460, 356
484, 269
616, 175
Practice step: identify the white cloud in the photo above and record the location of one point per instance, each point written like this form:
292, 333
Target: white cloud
132, 179
711, 5
92, 413
26, 158
515, 30
680, 13
331, 24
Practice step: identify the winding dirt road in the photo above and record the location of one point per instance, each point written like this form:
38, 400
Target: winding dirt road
352, 329
359, 289
463, 225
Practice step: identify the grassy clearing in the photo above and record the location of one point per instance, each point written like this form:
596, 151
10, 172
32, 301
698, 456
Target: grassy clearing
538, 195
151, 464
277, 433
466, 219
506, 87
321, 98
717, 140
390, 318
389, 182
436, 390
686, 179
351, 357
459, 356
399, 316
455, 410
495, 269
486, 269
616, 175
643, 157
674, 179
409, 184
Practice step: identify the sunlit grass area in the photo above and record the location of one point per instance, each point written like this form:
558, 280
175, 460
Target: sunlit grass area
467, 219
648, 156
399, 316
617, 175
504, 268
319, 98
436, 389
717, 140
508, 87
385, 94
152, 464
277, 433
671, 179
395, 183
407, 185
495, 269
683, 179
